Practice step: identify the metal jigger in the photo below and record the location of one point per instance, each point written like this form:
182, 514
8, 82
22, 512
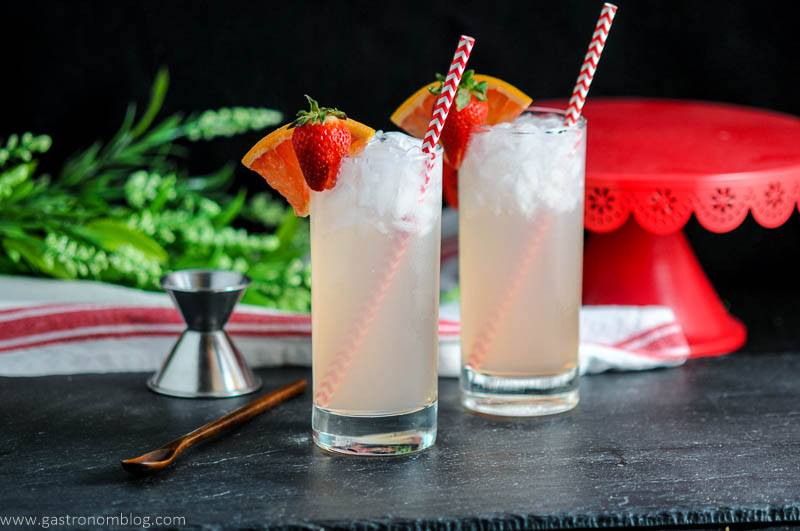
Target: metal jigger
204, 362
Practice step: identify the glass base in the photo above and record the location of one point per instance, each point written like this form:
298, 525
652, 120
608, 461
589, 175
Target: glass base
380, 435
507, 396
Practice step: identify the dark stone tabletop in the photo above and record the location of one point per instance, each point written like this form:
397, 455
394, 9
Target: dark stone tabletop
714, 442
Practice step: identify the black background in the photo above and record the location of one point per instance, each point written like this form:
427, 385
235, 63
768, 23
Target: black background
69, 69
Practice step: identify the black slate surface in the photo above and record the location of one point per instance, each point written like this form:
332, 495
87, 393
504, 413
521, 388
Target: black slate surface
716, 441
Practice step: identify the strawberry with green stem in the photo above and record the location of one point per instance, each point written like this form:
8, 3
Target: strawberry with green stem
320, 140
469, 113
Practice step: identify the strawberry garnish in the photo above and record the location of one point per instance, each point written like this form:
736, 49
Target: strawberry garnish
320, 140
469, 113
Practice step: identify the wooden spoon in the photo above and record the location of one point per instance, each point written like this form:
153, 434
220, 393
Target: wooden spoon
161, 458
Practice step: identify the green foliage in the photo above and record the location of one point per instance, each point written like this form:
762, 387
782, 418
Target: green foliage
127, 212
24, 147
451, 295
230, 122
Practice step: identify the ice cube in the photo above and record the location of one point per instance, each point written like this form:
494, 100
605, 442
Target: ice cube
382, 186
533, 162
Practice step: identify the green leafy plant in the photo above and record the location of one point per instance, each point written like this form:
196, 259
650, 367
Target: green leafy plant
126, 211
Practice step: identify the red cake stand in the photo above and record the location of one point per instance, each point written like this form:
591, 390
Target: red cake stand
651, 164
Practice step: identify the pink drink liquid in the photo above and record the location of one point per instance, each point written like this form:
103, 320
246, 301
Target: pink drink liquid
521, 246
376, 394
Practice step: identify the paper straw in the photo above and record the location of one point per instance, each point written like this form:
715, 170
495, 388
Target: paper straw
344, 358
480, 347
590, 62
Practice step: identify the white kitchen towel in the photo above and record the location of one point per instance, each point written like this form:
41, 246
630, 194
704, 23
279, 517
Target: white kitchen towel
70, 327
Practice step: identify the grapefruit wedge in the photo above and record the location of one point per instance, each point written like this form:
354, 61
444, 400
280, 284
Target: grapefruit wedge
506, 102
274, 159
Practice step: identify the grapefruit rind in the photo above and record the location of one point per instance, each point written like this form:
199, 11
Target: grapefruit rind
506, 102
273, 158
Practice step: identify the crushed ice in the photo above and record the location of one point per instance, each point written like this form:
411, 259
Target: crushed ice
382, 185
521, 166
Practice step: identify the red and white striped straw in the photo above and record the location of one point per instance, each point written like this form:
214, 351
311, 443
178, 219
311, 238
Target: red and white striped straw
442, 106
344, 358
590, 62
477, 351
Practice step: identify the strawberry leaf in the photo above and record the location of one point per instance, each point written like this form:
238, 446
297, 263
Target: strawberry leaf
467, 88
462, 99
315, 113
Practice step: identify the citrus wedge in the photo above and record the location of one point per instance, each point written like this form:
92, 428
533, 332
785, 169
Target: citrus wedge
274, 159
506, 102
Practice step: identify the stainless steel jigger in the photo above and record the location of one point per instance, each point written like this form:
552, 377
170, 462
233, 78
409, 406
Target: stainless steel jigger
204, 362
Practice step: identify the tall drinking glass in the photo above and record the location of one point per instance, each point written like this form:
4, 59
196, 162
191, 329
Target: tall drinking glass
375, 241
521, 243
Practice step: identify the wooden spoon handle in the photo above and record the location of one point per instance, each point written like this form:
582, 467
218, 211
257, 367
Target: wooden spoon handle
241, 415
